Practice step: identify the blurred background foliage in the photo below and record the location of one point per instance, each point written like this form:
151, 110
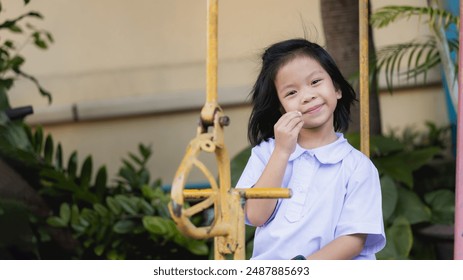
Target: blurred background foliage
52, 207
57, 208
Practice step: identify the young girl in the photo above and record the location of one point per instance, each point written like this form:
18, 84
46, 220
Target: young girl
300, 102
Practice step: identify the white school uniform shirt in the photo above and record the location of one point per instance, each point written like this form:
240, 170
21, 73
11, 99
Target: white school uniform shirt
335, 192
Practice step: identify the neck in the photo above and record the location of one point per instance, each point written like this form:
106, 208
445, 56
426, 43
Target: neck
314, 138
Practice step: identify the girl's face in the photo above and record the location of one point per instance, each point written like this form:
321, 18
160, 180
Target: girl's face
303, 85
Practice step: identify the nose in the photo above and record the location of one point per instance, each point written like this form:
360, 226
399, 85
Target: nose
308, 95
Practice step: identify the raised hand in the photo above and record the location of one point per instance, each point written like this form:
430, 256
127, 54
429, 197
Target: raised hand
287, 130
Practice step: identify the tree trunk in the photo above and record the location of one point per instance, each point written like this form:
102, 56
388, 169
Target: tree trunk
341, 28
14, 188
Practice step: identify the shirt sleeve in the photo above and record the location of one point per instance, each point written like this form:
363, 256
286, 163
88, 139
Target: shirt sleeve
253, 170
362, 210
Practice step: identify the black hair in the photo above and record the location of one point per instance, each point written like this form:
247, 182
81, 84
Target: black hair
266, 105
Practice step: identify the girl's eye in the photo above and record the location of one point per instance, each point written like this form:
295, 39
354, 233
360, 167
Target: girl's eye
291, 93
314, 82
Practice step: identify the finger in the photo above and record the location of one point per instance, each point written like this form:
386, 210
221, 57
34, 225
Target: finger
292, 128
295, 123
288, 117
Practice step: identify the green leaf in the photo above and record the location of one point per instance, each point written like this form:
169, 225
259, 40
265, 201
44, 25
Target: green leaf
411, 207
383, 16
136, 159
17, 137
149, 192
101, 178
145, 151
59, 157
48, 152
86, 173
114, 255
6, 83
38, 41
128, 173
146, 207
44, 235
156, 225
88, 243
101, 234
49, 37
399, 240
15, 29
143, 178
35, 14
391, 167
65, 213
389, 196
72, 166
56, 222
123, 226
385, 145
198, 247
74, 215
78, 228
100, 183
416, 159
400, 166
116, 243
38, 137
101, 210
114, 205
99, 250
442, 203
4, 103
84, 222
58, 180
16, 62
126, 204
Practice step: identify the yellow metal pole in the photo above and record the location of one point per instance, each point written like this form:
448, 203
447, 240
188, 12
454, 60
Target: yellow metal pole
254, 193
212, 47
207, 113
364, 85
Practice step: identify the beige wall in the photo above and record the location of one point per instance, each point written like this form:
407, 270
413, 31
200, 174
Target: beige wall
135, 72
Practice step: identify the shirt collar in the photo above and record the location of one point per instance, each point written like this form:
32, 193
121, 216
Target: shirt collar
328, 154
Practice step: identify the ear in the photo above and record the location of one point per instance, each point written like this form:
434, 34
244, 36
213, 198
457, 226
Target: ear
338, 94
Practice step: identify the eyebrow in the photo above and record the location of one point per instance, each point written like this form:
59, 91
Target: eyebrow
318, 71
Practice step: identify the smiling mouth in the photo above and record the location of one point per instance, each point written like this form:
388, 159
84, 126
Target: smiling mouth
313, 109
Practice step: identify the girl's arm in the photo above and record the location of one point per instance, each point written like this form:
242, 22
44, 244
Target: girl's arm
342, 248
258, 211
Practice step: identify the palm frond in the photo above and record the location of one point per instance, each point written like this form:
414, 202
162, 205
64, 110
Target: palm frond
408, 60
388, 14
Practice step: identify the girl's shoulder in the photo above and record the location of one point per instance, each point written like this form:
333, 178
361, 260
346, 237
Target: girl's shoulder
265, 148
357, 162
